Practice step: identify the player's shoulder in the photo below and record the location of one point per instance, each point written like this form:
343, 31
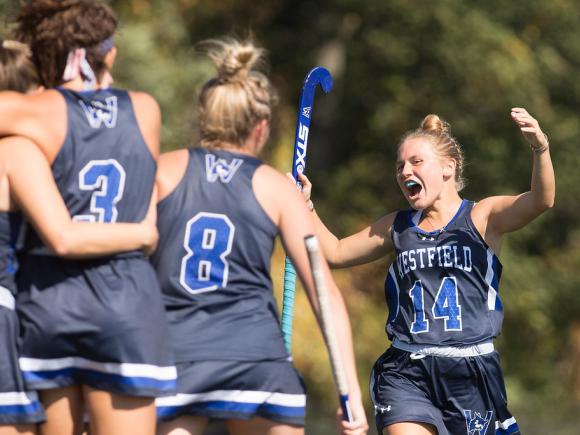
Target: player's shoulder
272, 179
143, 99
171, 167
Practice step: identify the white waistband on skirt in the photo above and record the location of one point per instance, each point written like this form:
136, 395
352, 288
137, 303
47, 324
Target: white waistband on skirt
6, 298
421, 350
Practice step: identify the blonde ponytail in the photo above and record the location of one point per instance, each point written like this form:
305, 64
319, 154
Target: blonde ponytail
240, 96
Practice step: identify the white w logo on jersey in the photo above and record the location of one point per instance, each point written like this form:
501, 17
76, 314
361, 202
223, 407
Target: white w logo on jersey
219, 168
98, 112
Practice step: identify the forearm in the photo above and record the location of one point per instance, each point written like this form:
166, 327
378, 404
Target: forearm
543, 185
328, 241
86, 240
344, 334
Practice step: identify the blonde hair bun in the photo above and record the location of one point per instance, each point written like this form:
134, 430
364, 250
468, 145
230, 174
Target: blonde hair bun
232, 58
433, 123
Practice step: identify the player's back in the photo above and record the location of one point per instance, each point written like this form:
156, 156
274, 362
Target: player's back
213, 262
442, 288
104, 169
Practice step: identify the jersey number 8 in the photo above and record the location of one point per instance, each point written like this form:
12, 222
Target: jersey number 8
208, 241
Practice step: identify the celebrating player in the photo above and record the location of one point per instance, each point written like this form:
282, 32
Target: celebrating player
441, 373
219, 213
84, 334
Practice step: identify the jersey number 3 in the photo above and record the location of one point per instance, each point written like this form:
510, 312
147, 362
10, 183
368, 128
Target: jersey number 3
446, 306
106, 180
208, 242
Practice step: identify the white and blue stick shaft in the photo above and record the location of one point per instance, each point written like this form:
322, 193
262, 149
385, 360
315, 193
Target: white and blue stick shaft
328, 329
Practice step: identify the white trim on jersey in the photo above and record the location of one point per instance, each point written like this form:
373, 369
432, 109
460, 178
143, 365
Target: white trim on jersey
122, 369
18, 398
238, 396
7, 298
489, 275
482, 348
506, 424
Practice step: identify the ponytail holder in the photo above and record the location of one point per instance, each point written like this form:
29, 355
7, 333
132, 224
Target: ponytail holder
77, 64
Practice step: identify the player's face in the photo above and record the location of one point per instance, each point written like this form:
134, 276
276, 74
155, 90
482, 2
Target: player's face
420, 172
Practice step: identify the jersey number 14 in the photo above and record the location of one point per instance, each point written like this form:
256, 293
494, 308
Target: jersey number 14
446, 306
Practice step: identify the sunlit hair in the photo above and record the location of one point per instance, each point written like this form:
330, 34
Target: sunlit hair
52, 28
232, 103
436, 130
17, 71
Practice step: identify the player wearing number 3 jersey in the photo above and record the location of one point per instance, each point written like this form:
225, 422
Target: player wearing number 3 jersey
93, 332
441, 374
219, 213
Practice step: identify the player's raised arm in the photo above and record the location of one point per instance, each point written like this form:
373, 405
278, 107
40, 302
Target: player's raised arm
371, 243
509, 213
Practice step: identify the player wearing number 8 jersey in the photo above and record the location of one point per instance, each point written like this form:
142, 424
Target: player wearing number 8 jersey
219, 213
84, 336
441, 375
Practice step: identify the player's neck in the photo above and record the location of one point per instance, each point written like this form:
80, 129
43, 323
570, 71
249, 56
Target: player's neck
440, 213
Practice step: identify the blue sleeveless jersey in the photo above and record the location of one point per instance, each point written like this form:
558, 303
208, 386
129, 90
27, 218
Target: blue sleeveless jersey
442, 287
104, 170
213, 263
10, 224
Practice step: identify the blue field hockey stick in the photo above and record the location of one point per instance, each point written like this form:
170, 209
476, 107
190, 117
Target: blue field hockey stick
327, 325
315, 77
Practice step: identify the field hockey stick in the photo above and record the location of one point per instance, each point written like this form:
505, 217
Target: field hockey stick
328, 326
315, 77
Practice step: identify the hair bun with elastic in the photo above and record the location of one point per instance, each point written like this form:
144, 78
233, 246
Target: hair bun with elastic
233, 59
432, 123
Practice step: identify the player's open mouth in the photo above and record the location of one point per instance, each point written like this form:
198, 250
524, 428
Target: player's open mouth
413, 188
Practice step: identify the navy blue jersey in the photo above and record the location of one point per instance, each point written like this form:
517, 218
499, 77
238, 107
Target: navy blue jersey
442, 288
10, 224
213, 262
104, 170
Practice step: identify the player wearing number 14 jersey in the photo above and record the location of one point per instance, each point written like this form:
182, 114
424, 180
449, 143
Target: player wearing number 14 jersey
442, 375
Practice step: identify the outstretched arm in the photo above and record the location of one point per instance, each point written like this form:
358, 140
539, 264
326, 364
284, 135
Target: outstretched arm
285, 206
509, 213
371, 243
35, 192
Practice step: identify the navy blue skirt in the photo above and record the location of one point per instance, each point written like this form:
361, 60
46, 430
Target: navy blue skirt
99, 323
17, 405
237, 390
457, 395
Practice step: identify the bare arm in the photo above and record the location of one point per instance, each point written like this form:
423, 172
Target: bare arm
286, 207
148, 117
369, 244
40, 117
34, 190
503, 214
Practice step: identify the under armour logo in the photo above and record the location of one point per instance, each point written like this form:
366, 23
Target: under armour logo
98, 112
219, 168
476, 424
306, 111
382, 409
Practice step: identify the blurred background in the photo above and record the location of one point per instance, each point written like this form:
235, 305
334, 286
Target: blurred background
393, 62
